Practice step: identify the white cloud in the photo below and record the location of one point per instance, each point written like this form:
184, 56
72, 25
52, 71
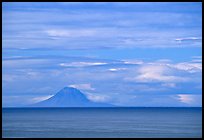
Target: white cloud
71, 33
58, 33
97, 98
187, 66
165, 71
116, 69
156, 73
82, 64
186, 98
82, 86
188, 39
133, 62
41, 98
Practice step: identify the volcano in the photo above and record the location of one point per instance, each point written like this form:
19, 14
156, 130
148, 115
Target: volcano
69, 97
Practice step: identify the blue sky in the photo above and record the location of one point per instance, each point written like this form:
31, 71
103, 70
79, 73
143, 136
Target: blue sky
124, 53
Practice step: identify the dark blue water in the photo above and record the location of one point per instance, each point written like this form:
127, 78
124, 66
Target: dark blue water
102, 122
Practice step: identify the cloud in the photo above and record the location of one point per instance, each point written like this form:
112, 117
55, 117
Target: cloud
97, 98
59, 26
82, 64
116, 69
71, 33
41, 98
188, 39
188, 66
190, 99
156, 73
82, 86
165, 72
137, 62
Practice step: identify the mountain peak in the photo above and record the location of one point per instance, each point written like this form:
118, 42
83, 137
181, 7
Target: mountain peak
69, 97
69, 90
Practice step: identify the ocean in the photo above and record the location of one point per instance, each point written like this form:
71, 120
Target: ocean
139, 122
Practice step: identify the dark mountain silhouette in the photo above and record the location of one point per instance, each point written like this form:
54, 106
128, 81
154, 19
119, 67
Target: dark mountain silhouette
69, 97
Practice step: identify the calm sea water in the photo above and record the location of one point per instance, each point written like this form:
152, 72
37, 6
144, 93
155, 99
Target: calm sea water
102, 122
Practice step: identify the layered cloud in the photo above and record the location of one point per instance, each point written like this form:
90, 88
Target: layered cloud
128, 57
129, 26
139, 76
156, 73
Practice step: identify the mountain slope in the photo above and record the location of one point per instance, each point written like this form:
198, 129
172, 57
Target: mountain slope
69, 97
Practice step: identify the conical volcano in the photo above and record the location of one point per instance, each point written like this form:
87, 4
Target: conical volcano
69, 97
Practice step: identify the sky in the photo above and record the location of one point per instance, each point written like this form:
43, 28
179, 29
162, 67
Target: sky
124, 53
